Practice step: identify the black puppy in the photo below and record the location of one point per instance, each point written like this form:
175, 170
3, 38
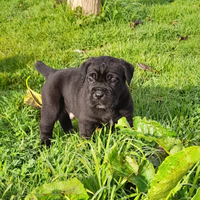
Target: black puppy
95, 93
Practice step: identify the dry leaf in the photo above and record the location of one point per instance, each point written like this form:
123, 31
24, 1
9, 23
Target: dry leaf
32, 98
174, 23
10, 18
135, 23
148, 18
58, 2
80, 51
183, 38
145, 67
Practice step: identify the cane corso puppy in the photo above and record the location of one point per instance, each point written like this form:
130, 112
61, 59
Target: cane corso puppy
95, 93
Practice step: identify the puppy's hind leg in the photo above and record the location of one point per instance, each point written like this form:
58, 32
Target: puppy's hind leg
65, 121
49, 115
50, 112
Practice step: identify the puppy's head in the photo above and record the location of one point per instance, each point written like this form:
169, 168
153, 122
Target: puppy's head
106, 80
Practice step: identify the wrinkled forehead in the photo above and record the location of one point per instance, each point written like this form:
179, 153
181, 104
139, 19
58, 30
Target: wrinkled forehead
105, 67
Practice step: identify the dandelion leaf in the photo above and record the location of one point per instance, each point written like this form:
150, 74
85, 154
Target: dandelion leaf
127, 167
150, 127
197, 195
152, 131
171, 171
72, 189
122, 123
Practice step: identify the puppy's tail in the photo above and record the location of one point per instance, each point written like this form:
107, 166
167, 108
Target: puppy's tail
44, 69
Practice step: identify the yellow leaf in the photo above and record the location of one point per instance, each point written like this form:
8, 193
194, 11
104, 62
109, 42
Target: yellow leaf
32, 98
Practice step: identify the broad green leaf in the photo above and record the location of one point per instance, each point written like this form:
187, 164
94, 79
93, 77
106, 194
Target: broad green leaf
197, 195
150, 127
169, 144
171, 171
131, 164
122, 123
152, 131
146, 174
137, 134
73, 189
116, 162
128, 168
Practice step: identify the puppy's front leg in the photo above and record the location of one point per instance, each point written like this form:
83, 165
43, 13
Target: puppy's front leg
130, 120
45, 133
86, 129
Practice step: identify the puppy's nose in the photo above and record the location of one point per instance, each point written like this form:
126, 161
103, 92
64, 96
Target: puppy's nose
98, 94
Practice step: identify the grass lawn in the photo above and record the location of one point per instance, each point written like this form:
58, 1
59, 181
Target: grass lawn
50, 32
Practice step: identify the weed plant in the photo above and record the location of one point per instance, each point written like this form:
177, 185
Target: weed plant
51, 32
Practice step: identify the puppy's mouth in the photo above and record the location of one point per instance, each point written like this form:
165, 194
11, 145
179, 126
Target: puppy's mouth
100, 106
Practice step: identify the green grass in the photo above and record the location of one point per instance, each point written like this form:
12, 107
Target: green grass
35, 30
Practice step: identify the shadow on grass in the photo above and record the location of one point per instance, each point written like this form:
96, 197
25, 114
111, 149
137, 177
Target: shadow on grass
12, 64
14, 71
150, 2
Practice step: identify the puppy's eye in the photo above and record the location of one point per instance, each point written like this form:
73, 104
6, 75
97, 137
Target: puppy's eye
90, 79
94, 76
109, 77
113, 80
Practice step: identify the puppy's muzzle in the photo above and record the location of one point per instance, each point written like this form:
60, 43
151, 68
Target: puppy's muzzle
99, 94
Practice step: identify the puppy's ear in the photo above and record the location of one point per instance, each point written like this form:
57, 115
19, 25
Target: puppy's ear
84, 68
128, 70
